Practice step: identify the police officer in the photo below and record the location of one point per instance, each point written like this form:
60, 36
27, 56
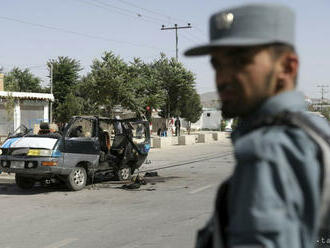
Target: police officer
273, 197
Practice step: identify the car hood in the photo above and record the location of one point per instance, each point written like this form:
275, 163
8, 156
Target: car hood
30, 142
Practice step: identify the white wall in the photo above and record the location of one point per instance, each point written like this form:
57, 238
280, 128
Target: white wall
25, 112
211, 119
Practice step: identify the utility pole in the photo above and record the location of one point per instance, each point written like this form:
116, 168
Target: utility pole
322, 93
51, 92
176, 27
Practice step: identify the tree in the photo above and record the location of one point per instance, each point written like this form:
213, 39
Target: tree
71, 106
148, 92
140, 87
326, 112
113, 82
22, 81
107, 85
178, 85
191, 107
65, 79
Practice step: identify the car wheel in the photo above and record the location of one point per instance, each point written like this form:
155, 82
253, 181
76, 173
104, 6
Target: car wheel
77, 179
24, 182
124, 174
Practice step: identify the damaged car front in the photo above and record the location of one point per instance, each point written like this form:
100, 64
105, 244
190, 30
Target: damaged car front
32, 158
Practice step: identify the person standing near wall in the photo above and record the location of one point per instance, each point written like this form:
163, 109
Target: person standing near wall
177, 126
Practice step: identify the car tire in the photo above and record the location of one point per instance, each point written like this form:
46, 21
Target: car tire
24, 182
77, 179
124, 174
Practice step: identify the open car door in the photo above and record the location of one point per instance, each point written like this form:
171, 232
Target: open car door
139, 135
80, 136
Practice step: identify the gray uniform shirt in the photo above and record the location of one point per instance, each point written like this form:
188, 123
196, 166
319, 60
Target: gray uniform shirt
274, 193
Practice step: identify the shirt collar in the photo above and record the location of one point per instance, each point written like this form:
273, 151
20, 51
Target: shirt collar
289, 100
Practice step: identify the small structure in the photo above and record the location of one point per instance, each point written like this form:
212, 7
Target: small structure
210, 119
25, 108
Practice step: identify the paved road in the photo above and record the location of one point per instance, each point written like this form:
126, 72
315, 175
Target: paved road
164, 213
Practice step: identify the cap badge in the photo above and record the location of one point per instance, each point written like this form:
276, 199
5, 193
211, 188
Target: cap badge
224, 20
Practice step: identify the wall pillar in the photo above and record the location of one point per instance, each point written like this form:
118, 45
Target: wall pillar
46, 112
17, 114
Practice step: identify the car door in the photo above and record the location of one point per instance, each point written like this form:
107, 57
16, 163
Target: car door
81, 142
138, 133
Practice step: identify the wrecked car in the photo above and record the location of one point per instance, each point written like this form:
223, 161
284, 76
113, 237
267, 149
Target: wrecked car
89, 146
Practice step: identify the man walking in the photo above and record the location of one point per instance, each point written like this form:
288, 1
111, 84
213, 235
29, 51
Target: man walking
177, 126
273, 197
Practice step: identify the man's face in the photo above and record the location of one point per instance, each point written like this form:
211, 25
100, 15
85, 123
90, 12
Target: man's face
244, 78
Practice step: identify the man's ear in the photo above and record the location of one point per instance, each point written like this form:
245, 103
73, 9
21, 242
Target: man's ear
288, 68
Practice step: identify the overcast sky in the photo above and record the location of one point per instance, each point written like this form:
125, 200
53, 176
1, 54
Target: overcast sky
34, 31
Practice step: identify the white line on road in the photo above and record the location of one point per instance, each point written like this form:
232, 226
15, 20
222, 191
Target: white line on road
61, 243
200, 189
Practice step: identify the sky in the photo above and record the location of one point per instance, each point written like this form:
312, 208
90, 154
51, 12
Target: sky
35, 31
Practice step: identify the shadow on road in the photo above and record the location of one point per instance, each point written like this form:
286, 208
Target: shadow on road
12, 189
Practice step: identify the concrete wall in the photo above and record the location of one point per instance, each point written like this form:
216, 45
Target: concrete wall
161, 142
210, 119
205, 138
187, 140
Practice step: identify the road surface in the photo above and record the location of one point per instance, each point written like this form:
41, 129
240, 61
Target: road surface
164, 213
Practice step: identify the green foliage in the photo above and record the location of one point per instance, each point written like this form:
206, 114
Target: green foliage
326, 112
163, 84
147, 88
9, 107
223, 125
71, 106
178, 85
107, 85
22, 81
137, 86
65, 79
114, 82
190, 106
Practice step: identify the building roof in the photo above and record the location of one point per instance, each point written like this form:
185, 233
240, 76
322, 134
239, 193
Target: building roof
27, 95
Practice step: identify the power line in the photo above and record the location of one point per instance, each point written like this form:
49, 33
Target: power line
197, 37
76, 33
200, 30
121, 11
176, 27
138, 14
166, 16
186, 37
102, 7
151, 11
148, 10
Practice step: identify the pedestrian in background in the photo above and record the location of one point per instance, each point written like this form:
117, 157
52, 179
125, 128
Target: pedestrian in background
273, 197
164, 130
177, 124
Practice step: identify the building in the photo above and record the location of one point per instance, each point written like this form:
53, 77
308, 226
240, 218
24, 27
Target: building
25, 108
210, 119
17, 108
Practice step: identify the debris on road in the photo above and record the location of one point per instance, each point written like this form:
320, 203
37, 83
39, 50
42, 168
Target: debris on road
131, 186
151, 174
137, 181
